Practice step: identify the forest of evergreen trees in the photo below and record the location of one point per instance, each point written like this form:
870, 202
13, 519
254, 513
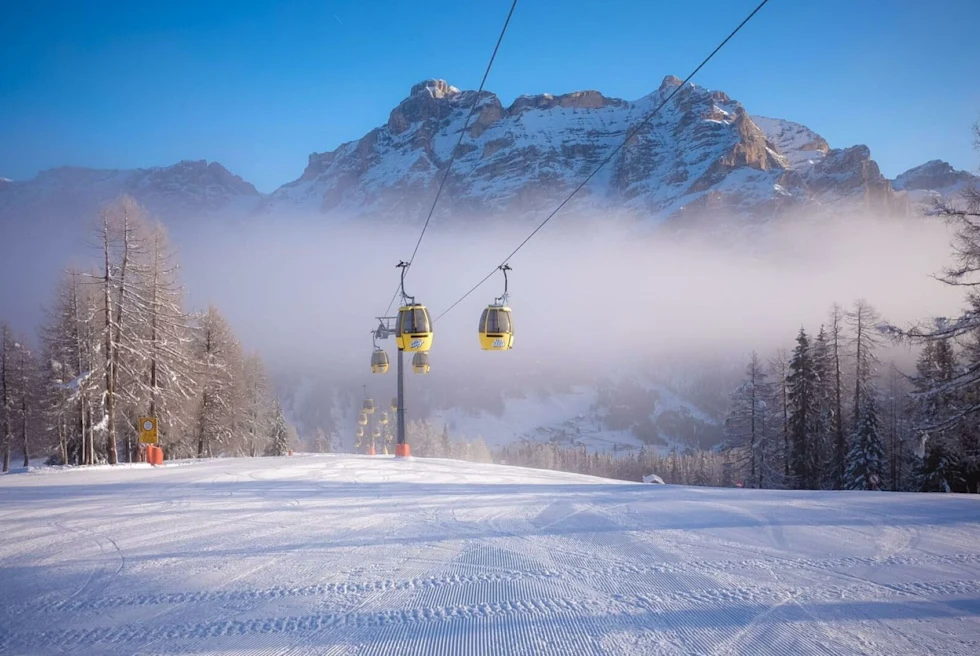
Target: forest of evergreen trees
832, 415
116, 344
696, 467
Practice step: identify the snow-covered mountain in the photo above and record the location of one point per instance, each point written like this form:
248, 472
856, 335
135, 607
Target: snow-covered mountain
186, 189
935, 175
935, 180
702, 151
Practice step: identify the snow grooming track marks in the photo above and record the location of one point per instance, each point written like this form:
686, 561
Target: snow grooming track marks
292, 556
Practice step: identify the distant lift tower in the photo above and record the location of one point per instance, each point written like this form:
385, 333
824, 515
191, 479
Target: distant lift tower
386, 328
412, 328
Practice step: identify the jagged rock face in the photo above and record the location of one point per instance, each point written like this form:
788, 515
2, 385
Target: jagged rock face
935, 175
851, 173
800, 146
702, 151
936, 182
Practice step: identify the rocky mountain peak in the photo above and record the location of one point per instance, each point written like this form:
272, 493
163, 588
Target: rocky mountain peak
934, 175
669, 83
194, 173
703, 151
434, 88
429, 100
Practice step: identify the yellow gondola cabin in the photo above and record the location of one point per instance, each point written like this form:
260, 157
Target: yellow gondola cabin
496, 329
379, 361
420, 362
414, 330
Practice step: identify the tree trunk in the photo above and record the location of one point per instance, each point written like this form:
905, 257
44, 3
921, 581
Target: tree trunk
752, 439
24, 426
201, 438
154, 328
840, 444
857, 382
786, 454
6, 436
110, 373
63, 442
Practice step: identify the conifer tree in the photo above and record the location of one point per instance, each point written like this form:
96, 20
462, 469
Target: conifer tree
217, 355
865, 341
802, 384
823, 425
256, 404
747, 425
939, 468
835, 345
779, 375
866, 457
7, 384
279, 435
163, 371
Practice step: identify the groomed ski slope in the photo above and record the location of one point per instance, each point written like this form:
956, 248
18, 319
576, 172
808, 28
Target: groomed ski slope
358, 555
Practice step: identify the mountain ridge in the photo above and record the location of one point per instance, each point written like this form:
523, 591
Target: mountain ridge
703, 153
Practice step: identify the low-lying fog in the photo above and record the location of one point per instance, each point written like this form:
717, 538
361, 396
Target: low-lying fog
593, 294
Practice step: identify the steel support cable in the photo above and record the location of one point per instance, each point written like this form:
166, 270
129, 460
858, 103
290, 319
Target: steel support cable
629, 136
452, 156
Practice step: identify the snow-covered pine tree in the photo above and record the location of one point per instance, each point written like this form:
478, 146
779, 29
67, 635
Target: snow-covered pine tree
835, 343
279, 434
62, 372
779, 375
257, 405
218, 360
746, 426
965, 433
447, 445
27, 398
960, 395
864, 343
802, 400
18, 395
321, 443
164, 370
866, 457
122, 233
823, 425
7, 384
70, 343
896, 424
935, 393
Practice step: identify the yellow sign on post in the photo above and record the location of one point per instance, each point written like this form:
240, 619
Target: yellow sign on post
148, 430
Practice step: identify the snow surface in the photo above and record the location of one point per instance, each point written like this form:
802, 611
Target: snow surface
358, 555
537, 419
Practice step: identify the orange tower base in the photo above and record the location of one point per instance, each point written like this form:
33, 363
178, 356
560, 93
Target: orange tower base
402, 451
154, 455
371, 450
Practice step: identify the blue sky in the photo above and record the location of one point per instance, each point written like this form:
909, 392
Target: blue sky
258, 86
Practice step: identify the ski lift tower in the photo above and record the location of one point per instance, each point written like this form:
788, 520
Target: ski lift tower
385, 329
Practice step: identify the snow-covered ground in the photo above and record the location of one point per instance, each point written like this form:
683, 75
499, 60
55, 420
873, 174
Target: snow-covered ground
358, 555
